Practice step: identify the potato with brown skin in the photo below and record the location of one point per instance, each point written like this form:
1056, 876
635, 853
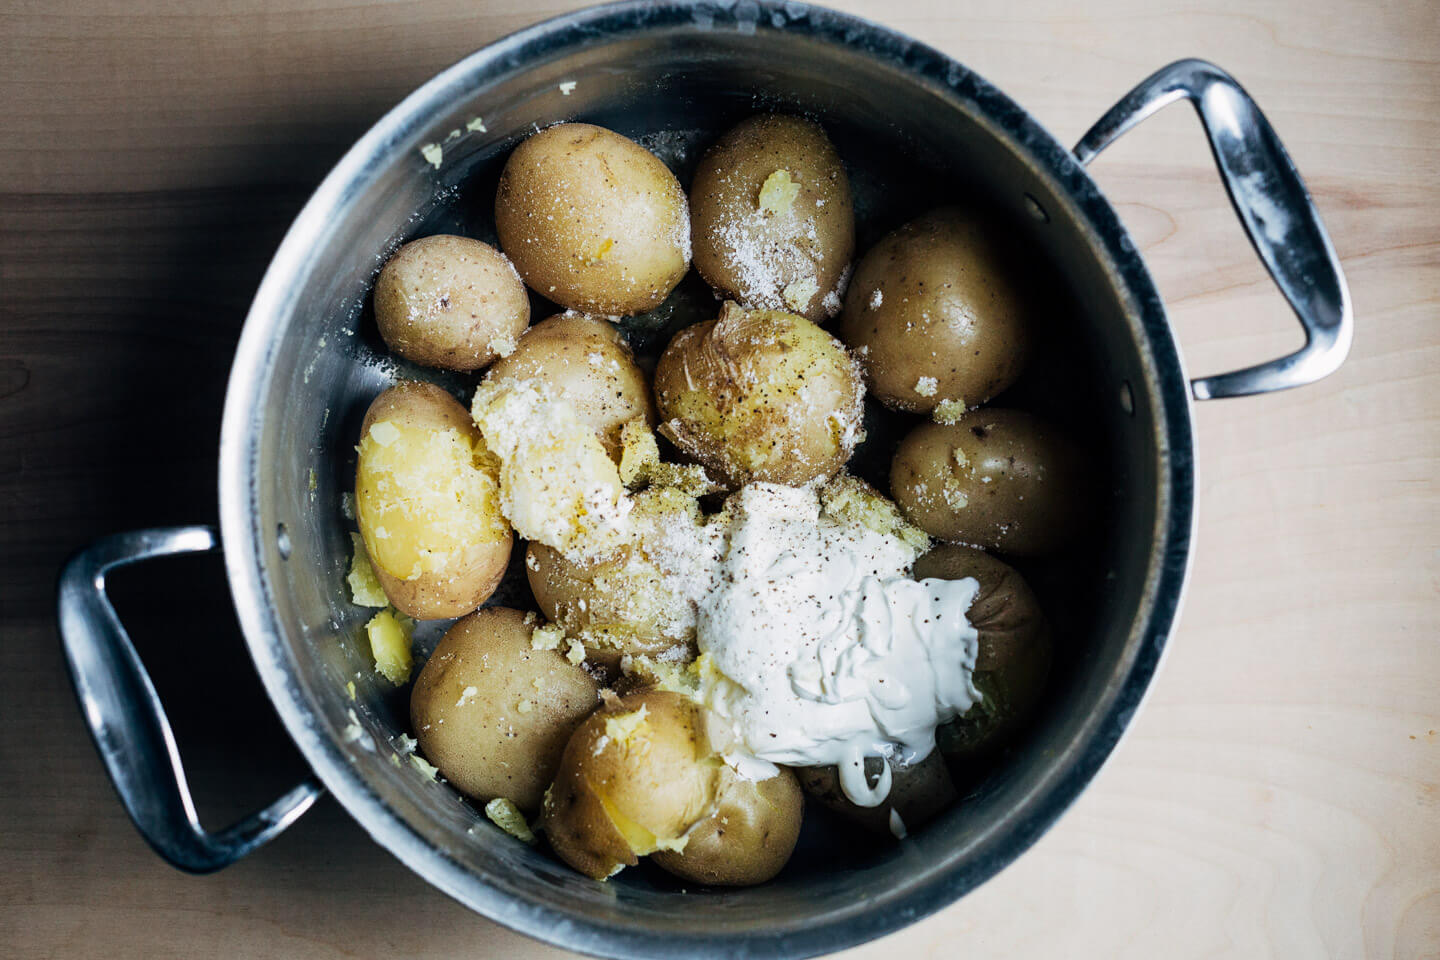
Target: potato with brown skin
615, 605
428, 504
771, 218
493, 713
1009, 696
592, 220
760, 395
1005, 612
1014, 657
936, 311
748, 839
1000, 479
587, 363
918, 792
450, 302
636, 598
634, 778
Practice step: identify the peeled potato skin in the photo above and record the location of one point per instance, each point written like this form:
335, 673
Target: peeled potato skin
608, 596
1005, 612
918, 793
760, 395
1016, 485
751, 255
586, 360
450, 302
482, 741
663, 779
750, 837
476, 572
938, 298
592, 220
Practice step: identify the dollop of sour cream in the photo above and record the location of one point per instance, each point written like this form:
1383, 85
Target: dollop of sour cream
821, 650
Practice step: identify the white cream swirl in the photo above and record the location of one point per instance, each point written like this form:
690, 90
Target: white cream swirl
821, 648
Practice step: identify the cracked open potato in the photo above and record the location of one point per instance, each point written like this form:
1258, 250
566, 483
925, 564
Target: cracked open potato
450, 302
760, 395
936, 312
634, 778
493, 713
917, 793
772, 219
615, 605
638, 598
428, 503
748, 839
1000, 479
586, 362
592, 220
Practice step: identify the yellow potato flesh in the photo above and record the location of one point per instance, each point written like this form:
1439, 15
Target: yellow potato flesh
423, 498
390, 646
558, 486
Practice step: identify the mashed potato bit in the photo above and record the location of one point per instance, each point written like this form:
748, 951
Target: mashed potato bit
639, 452
848, 499
505, 815
640, 464
389, 636
365, 589
557, 484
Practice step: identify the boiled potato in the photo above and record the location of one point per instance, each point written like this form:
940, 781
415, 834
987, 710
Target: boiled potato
748, 839
1009, 696
428, 503
615, 605
936, 312
634, 778
760, 395
586, 362
450, 302
558, 486
593, 221
918, 792
639, 598
1000, 479
493, 713
1005, 612
771, 217
1014, 656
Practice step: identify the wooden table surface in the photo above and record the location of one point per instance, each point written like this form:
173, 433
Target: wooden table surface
1278, 796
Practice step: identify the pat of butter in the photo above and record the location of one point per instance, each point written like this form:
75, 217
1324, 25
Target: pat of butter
778, 192
798, 295
384, 433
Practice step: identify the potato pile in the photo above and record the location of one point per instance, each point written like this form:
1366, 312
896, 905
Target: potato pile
579, 722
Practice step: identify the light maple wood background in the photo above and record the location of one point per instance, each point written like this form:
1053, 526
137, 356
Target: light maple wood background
1279, 796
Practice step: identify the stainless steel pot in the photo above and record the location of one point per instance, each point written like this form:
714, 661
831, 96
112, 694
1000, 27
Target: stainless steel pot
306, 368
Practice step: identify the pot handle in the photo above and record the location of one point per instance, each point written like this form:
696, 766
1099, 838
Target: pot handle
1274, 206
127, 720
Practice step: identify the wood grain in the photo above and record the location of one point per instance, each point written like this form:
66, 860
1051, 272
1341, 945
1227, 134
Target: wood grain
1279, 796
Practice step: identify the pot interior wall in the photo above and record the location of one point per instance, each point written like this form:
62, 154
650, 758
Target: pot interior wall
910, 145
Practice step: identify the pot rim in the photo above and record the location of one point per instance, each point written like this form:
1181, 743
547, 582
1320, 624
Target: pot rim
245, 542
